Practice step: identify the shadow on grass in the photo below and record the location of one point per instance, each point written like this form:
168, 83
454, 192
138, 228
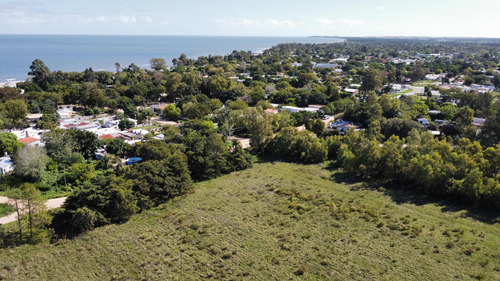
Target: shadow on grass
406, 195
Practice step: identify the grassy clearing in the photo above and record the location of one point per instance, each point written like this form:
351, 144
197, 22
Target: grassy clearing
276, 221
5, 209
405, 92
424, 83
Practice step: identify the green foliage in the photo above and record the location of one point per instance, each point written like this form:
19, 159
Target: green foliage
117, 146
171, 112
31, 162
9, 143
125, 124
301, 147
272, 222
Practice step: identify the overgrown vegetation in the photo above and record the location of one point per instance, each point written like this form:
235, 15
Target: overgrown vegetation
277, 221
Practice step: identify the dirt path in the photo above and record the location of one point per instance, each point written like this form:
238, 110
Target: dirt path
51, 204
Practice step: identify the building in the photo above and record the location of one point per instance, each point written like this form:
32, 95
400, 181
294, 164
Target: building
423, 121
6, 165
30, 141
294, 109
478, 122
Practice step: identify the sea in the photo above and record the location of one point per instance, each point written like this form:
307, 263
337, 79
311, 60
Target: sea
78, 52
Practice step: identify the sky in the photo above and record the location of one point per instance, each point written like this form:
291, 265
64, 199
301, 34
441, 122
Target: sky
437, 18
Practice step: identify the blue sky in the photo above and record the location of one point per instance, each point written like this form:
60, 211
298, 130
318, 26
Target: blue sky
468, 18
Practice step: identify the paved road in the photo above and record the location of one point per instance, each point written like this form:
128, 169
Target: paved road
51, 204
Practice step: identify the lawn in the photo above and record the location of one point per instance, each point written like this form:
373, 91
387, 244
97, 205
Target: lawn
405, 92
5, 209
277, 221
424, 83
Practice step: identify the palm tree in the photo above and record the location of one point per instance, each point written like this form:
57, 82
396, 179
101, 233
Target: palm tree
118, 66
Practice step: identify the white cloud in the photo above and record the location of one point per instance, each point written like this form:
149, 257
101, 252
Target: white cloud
278, 23
381, 8
147, 19
249, 23
164, 22
353, 22
324, 21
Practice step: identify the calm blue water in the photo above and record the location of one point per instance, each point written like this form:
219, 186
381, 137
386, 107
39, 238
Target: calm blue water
77, 52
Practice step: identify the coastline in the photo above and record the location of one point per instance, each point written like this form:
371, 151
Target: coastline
75, 53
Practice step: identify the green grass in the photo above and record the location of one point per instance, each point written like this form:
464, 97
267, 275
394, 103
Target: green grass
5, 209
405, 92
148, 127
276, 221
424, 83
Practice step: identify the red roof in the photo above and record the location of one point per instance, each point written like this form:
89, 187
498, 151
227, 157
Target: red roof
68, 126
83, 124
28, 140
107, 137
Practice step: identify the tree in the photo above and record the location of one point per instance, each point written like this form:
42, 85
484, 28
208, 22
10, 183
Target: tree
10, 94
371, 80
16, 196
125, 124
31, 162
118, 67
9, 143
116, 146
155, 182
449, 111
15, 110
157, 63
86, 143
33, 203
40, 72
172, 112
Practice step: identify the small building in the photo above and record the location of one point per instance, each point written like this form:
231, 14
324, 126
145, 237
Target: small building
294, 109
351, 91
423, 121
159, 137
106, 137
440, 121
6, 165
478, 122
30, 141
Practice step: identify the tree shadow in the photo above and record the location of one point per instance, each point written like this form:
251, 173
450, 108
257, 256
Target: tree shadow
407, 195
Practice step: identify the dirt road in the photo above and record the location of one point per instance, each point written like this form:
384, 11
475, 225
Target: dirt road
51, 204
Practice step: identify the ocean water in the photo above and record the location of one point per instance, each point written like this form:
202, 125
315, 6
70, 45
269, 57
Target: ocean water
77, 52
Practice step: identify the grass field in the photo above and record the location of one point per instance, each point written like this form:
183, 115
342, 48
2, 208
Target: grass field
424, 83
5, 209
277, 221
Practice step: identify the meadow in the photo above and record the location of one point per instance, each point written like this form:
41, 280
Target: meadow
277, 221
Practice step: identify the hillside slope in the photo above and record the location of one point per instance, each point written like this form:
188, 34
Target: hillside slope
275, 221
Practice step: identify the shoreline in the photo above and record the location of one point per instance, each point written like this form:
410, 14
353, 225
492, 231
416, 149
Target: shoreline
75, 53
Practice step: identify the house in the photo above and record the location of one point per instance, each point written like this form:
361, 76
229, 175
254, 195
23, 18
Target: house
271, 111
423, 121
159, 137
30, 141
65, 111
294, 109
111, 124
86, 126
478, 122
440, 121
351, 91
106, 137
335, 124
6, 165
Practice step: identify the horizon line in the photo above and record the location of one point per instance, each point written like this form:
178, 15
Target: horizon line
220, 35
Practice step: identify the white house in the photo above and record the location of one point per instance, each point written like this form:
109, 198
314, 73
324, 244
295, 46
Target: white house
6, 165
